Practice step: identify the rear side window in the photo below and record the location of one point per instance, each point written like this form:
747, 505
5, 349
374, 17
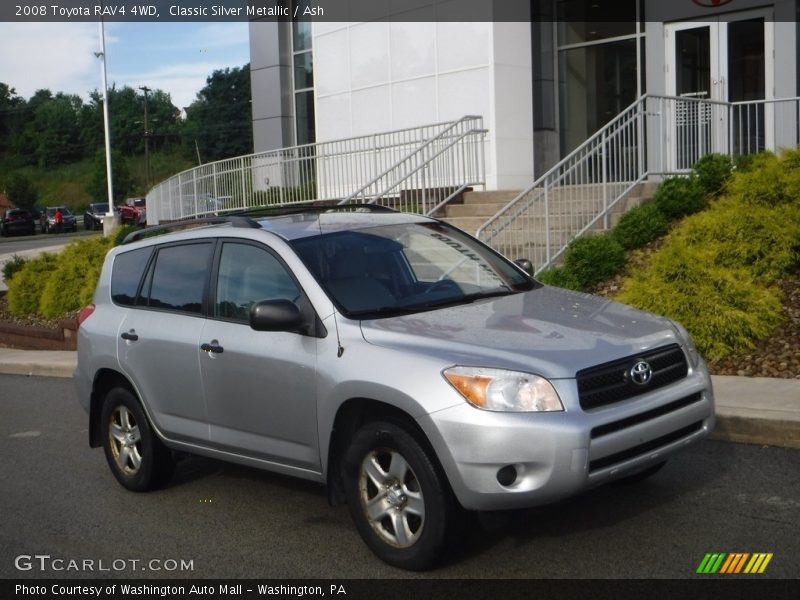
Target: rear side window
179, 278
126, 275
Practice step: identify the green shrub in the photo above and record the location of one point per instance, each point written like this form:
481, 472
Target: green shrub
677, 197
713, 172
25, 289
770, 180
76, 277
764, 240
640, 226
594, 258
723, 308
13, 265
559, 277
55, 285
748, 162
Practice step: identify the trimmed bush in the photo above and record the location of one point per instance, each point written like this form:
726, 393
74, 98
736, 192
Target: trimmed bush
639, 226
713, 172
723, 308
593, 258
559, 277
677, 197
122, 232
25, 289
13, 266
770, 180
73, 283
55, 285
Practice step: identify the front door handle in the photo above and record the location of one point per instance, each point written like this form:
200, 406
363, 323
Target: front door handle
213, 347
129, 336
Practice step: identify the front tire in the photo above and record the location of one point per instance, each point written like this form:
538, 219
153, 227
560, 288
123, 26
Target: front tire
398, 496
137, 458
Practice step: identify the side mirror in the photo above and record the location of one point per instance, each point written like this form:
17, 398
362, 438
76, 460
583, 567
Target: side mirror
275, 315
525, 265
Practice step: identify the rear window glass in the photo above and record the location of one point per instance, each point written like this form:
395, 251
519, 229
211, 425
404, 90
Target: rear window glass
179, 278
126, 275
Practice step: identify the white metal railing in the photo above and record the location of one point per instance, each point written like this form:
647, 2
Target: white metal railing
656, 135
434, 173
326, 171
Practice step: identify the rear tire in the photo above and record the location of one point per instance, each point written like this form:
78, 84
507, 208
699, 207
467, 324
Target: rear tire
399, 498
137, 458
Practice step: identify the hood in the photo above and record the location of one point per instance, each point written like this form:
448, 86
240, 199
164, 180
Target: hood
547, 331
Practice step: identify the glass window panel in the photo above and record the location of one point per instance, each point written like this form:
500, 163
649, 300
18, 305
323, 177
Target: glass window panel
301, 33
248, 275
126, 275
585, 21
303, 71
596, 83
304, 116
693, 62
179, 278
746, 60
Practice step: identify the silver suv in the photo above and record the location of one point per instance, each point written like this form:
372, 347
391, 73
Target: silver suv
392, 357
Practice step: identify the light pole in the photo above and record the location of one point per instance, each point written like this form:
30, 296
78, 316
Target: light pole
146, 90
111, 220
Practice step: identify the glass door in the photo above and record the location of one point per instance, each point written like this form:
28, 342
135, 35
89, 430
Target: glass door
720, 73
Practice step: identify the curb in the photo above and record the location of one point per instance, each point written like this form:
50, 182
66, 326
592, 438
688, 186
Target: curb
752, 430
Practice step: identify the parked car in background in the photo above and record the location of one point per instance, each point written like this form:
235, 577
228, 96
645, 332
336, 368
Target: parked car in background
391, 356
94, 215
133, 211
17, 220
48, 219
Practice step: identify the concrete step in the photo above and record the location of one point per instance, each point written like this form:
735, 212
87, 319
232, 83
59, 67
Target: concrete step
472, 210
501, 197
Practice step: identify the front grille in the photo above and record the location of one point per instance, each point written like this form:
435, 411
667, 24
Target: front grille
602, 430
610, 382
607, 461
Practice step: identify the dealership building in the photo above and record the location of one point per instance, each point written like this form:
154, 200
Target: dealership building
541, 86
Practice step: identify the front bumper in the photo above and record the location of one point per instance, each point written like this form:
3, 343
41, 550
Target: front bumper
556, 455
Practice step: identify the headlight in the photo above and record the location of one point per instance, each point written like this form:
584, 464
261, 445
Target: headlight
694, 357
501, 390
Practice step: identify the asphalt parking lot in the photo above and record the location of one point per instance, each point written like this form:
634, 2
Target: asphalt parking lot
60, 499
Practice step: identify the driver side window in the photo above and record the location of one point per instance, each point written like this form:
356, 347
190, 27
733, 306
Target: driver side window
247, 275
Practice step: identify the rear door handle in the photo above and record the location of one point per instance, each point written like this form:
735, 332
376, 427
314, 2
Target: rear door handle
129, 336
213, 347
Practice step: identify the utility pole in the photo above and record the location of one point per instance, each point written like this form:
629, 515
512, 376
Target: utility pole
146, 90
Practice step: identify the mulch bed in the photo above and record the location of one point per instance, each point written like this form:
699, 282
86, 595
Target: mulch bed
35, 333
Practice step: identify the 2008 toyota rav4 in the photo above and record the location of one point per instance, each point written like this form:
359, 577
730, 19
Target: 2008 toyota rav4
391, 356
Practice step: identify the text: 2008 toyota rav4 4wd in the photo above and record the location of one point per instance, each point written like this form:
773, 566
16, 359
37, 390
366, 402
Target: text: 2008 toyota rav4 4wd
409, 367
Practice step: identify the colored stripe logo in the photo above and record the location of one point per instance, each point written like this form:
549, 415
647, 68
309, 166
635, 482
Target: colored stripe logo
734, 563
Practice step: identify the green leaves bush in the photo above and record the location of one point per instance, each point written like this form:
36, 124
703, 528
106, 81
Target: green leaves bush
594, 258
716, 271
56, 285
12, 266
713, 171
639, 226
677, 197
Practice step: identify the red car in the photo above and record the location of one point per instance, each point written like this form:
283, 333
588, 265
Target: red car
133, 211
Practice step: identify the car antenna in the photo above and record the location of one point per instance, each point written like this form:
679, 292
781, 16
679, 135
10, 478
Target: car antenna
339, 347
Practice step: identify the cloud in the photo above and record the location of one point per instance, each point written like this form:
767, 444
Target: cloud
56, 56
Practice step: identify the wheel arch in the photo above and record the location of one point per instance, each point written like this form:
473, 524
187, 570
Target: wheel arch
104, 381
352, 415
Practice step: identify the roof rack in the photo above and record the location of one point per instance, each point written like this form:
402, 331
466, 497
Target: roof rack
233, 220
279, 211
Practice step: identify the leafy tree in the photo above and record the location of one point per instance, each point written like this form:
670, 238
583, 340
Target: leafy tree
97, 187
20, 190
220, 119
55, 131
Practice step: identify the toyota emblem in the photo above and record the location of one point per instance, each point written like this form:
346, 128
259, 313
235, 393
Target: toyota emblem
641, 373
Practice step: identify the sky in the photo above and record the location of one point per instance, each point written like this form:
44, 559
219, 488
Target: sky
174, 57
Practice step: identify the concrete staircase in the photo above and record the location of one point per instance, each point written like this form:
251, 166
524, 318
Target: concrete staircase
570, 209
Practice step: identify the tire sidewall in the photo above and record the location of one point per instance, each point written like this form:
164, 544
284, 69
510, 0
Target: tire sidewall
146, 477
430, 546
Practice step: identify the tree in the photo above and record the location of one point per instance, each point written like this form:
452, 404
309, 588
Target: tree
20, 190
220, 119
56, 134
97, 187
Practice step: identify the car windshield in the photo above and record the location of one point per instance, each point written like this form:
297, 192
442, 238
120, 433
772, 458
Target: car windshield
99, 208
399, 269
